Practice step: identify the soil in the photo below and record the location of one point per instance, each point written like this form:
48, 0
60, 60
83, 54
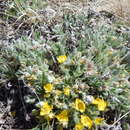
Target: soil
15, 113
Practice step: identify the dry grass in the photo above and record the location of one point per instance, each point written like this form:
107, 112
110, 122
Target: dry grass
120, 7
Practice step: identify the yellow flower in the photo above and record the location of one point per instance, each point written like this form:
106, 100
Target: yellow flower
79, 126
63, 117
96, 101
86, 121
98, 120
45, 109
67, 91
79, 105
100, 103
48, 87
62, 58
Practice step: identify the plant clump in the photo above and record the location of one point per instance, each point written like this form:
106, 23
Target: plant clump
77, 79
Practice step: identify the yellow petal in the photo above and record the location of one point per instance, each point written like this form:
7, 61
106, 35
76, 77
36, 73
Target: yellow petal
79, 126
63, 117
100, 103
86, 121
48, 87
62, 58
96, 101
79, 105
98, 120
45, 109
67, 91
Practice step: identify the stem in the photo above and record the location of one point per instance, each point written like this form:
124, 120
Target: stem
120, 118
